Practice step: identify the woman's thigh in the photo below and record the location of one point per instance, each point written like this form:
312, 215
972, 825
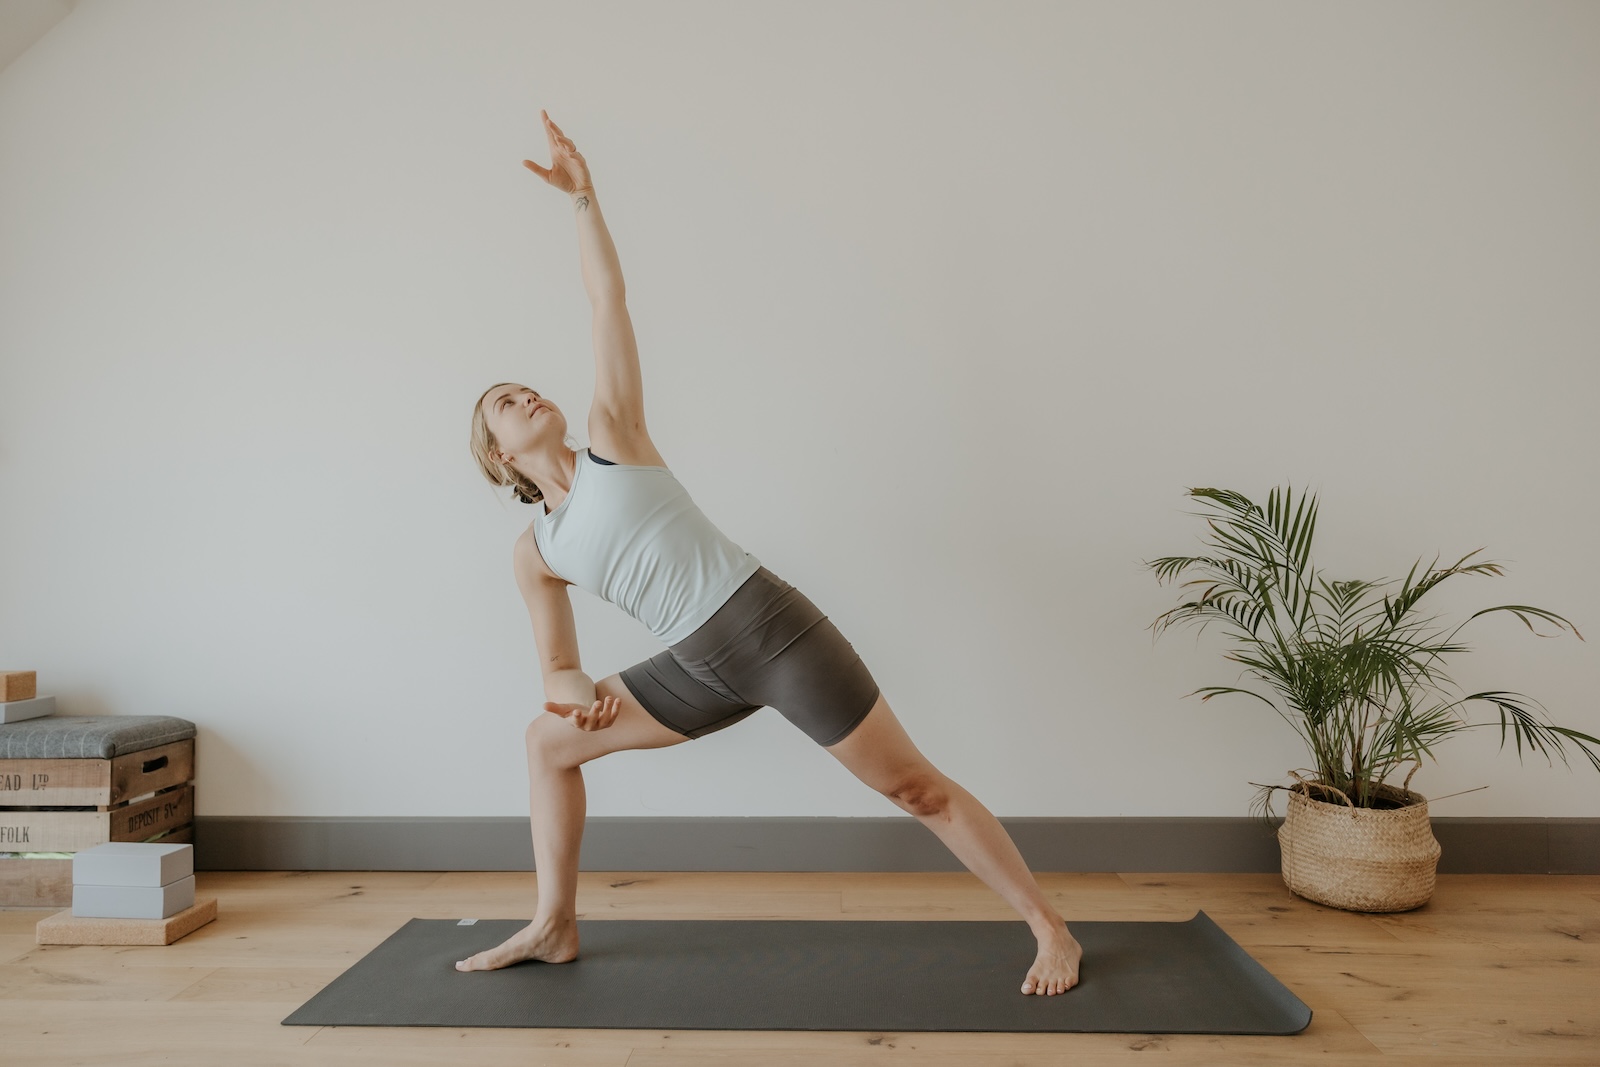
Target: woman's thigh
685, 696
881, 753
559, 741
779, 650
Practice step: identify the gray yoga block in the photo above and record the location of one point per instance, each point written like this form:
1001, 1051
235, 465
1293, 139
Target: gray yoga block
132, 901
132, 863
32, 708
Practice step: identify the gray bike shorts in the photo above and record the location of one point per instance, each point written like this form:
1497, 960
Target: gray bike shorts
768, 646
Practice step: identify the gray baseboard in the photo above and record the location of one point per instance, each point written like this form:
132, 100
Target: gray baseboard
1128, 845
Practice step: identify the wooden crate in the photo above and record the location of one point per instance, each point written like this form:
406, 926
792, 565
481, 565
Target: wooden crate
66, 805
95, 783
75, 829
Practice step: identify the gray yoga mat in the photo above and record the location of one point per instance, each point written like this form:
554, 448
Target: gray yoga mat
1137, 977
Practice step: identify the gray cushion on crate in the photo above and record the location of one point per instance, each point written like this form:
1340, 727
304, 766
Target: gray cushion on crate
89, 736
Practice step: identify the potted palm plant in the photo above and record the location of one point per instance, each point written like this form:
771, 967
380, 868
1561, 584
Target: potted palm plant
1355, 676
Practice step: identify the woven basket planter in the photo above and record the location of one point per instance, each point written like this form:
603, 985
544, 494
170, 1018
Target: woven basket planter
1359, 859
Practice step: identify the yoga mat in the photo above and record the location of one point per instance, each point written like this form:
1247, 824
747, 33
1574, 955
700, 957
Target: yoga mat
1184, 977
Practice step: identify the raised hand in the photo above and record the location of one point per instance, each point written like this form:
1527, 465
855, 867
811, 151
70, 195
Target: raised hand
597, 716
568, 170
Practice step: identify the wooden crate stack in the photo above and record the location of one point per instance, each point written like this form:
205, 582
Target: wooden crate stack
54, 807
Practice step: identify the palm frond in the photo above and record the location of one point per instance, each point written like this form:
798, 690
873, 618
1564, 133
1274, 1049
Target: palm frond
1518, 609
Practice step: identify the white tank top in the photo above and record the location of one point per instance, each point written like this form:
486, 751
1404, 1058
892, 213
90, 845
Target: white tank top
631, 535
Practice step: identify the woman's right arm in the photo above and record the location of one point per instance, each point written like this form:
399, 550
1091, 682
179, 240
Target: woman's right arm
554, 629
597, 254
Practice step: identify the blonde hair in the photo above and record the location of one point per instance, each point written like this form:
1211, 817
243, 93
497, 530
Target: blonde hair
484, 447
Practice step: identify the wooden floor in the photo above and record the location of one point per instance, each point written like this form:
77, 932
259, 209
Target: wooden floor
1495, 969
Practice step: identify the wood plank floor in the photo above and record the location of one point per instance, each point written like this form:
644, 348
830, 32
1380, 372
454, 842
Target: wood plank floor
1495, 969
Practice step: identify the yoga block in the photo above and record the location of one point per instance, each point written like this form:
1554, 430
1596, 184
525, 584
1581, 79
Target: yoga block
136, 863
18, 685
64, 928
31, 708
132, 901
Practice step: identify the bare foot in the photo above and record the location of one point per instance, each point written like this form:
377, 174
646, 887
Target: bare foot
552, 942
1056, 968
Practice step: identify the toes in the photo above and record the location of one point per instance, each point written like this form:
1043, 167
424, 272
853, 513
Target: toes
1042, 988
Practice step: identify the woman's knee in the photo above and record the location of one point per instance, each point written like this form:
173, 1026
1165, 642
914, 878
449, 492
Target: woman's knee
548, 739
923, 792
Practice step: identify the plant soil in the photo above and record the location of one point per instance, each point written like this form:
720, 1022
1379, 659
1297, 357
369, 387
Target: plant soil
1381, 800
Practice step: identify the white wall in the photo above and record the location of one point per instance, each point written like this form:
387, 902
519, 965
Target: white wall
941, 308
23, 22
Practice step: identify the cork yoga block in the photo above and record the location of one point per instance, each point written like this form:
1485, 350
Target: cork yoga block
18, 685
64, 928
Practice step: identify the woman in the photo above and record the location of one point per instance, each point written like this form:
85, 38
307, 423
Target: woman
739, 637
